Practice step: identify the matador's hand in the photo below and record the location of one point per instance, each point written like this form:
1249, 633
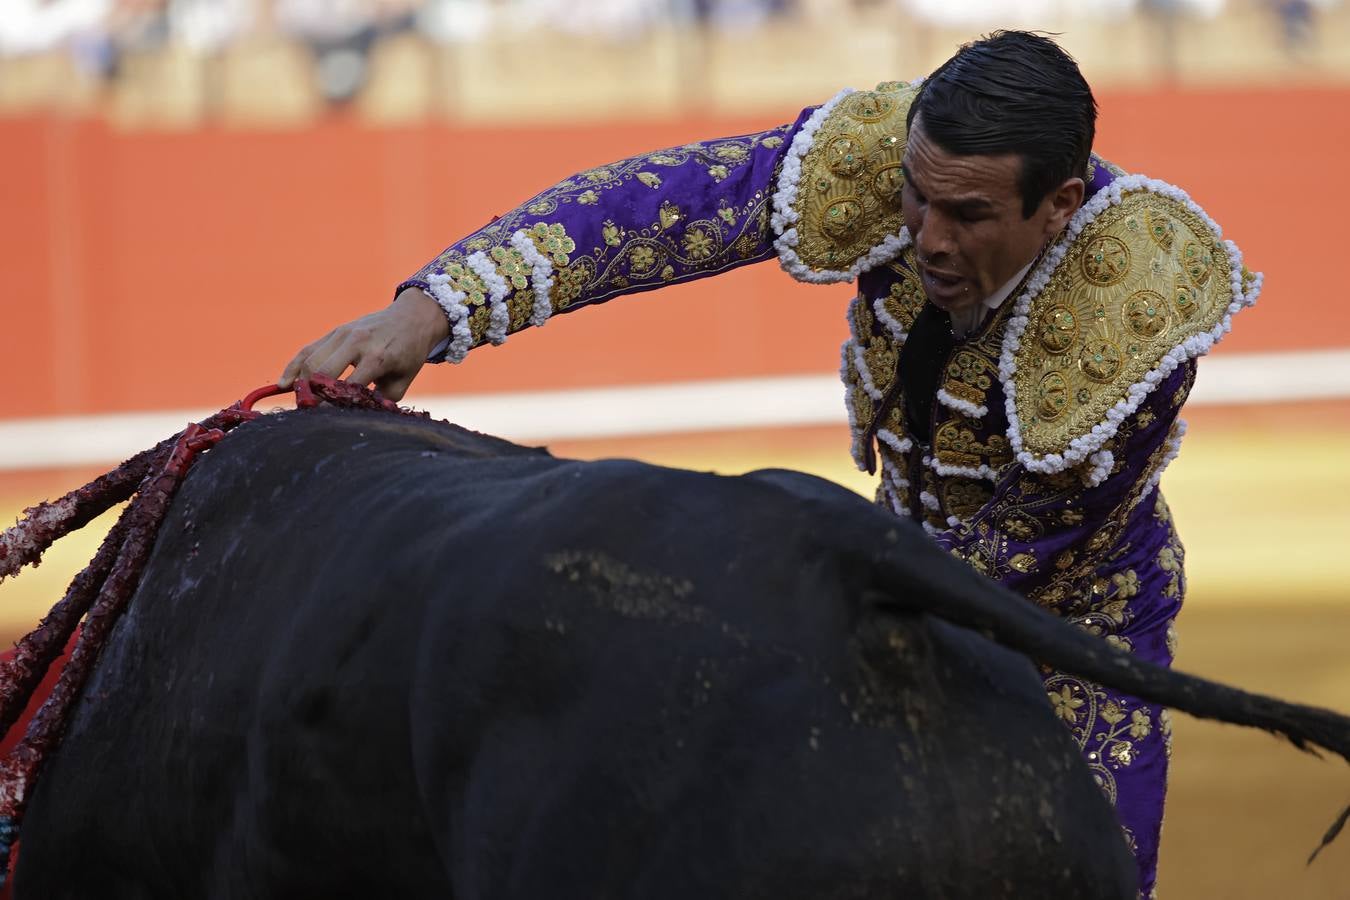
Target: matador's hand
387, 348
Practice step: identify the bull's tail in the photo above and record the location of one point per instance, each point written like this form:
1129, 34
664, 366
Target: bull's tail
963, 597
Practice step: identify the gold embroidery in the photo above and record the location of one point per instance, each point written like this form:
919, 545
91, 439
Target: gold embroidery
1160, 228
1106, 729
610, 268
1117, 303
964, 497
511, 266
553, 242
1052, 397
641, 258
905, 297
479, 320
1197, 262
881, 358
1170, 561
955, 445
1145, 314
1021, 527
669, 214
521, 307
848, 195
862, 320
701, 243
1058, 329
746, 245
970, 375
1106, 261
1187, 382
569, 283
1107, 165
1066, 704
464, 279
862, 406
1100, 360
730, 152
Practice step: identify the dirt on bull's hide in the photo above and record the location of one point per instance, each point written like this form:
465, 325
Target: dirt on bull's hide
618, 587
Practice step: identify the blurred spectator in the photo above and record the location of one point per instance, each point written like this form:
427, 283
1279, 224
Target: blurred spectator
206, 26
38, 26
739, 14
341, 35
455, 21
1296, 25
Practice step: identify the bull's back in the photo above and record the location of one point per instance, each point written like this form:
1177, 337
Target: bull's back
371, 657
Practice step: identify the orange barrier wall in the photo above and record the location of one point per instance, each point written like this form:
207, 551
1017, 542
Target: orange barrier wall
159, 270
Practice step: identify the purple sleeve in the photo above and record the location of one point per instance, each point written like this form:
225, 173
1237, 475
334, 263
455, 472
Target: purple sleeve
637, 224
1036, 526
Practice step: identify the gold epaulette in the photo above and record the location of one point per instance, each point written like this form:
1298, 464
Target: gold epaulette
843, 188
1146, 284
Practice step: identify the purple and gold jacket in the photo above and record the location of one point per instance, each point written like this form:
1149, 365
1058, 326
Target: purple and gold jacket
1054, 420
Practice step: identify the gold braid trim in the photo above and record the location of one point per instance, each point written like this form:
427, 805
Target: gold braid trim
848, 195
1143, 277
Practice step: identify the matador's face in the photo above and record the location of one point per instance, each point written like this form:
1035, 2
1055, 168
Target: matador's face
965, 216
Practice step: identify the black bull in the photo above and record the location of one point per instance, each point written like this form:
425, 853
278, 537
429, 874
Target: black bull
374, 656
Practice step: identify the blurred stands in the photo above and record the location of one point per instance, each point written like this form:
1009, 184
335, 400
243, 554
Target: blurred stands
286, 63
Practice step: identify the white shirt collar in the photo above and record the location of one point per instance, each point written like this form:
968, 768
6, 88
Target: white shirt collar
963, 323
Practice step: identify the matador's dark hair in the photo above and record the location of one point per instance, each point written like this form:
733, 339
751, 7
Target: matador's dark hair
1013, 92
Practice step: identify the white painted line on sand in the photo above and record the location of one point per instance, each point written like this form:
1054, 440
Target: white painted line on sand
770, 402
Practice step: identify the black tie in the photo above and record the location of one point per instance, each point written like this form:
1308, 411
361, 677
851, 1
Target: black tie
922, 359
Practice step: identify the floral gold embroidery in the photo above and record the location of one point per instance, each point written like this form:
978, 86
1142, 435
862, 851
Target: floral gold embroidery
668, 214
569, 283
1066, 704
465, 280
699, 244
1170, 562
553, 242
511, 265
